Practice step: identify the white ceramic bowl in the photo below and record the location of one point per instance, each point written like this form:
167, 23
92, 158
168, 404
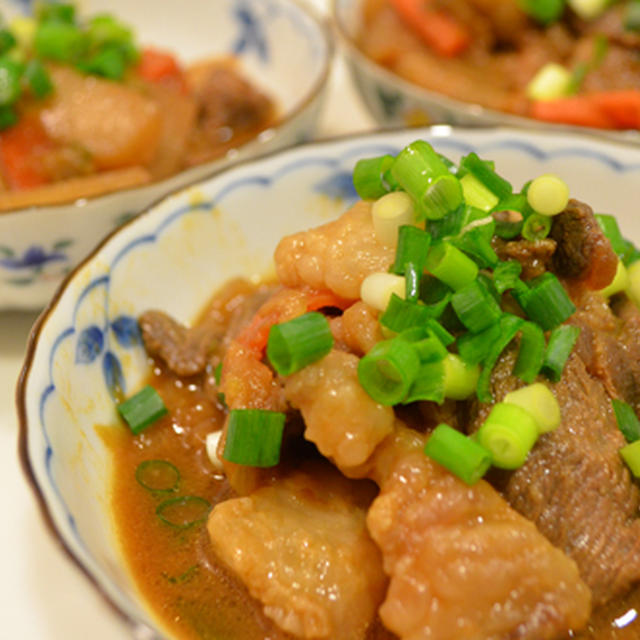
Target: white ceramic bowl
396, 102
174, 255
281, 45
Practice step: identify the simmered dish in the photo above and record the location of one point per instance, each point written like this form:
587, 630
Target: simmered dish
573, 62
85, 111
426, 428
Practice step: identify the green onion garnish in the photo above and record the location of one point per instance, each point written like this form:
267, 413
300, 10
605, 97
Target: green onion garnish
10, 74
368, 179
412, 282
536, 227
7, 41
158, 476
142, 409
531, 353
476, 243
8, 116
387, 372
443, 335
484, 172
254, 437
183, 512
631, 19
403, 314
299, 342
561, 343
37, 78
476, 194
109, 62
628, 422
509, 433
545, 301
544, 11
541, 404
449, 264
427, 345
631, 455
56, 12
509, 223
476, 307
428, 385
60, 41
465, 458
475, 347
610, 228
460, 378
413, 246
506, 275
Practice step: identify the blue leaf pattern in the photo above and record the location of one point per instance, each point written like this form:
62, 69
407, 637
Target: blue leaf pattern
113, 376
338, 185
127, 331
251, 34
90, 344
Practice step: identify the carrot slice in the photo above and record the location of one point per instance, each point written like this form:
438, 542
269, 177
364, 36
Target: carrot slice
255, 336
443, 33
622, 107
160, 67
576, 110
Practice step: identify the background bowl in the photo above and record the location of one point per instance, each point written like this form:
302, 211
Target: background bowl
283, 48
396, 102
174, 255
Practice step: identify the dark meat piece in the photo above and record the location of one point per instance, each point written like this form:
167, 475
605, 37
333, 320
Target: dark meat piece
535, 257
574, 486
584, 253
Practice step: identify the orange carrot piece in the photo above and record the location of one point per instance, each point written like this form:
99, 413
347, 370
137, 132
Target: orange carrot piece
160, 67
582, 111
442, 32
255, 336
21, 147
622, 107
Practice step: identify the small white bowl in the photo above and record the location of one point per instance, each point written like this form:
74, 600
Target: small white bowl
174, 255
281, 45
396, 102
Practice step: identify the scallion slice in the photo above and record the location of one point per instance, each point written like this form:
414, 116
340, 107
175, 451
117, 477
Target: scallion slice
475, 347
544, 11
299, 342
476, 243
506, 275
158, 476
536, 227
254, 437
413, 246
485, 173
541, 404
610, 228
38, 79
463, 457
509, 433
428, 385
142, 409
460, 378
368, 179
561, 343
403, 314
427, 345
412, 282
449, 264
476, 307
631, 455
545, 301
388, 370
531, 354
443, 335
628, 422
508, 223
548, 194
183, 512
477, 194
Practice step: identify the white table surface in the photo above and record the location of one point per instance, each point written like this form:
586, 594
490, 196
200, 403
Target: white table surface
42, 595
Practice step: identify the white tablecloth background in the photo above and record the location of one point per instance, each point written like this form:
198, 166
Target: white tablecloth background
42, 595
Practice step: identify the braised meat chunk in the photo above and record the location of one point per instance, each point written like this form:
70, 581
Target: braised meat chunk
302, 548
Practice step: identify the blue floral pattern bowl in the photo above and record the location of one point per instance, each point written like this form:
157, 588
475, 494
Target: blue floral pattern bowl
281, 45
86, 346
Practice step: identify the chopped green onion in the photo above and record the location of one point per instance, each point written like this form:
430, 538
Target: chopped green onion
8, 117
427, 345
611, 230
109, 62
389, 213
450, 225
158, 476
631, 455
56, 12
588, 9
7, 41
476, 243
552, 81
476, 307
486, 175
545, 301
183, 512
536, 227
509, 433
105, 29
627, 420
508, 223
38, 79
420, 171
403, 314
254, 437
548, 195
435, 294
476, 194
561, 343
531, 354
506, 275
297, 343
450, 265
413, 246
509, 327
459, 454
539, 401
377, 289
428, 385
460, 378
10, 74
23, 29
388, 370
631, 18
544, 11
368, 177
142, 409
475, 347
60, 41
633, 290
619, 283
412, 282
443, 335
